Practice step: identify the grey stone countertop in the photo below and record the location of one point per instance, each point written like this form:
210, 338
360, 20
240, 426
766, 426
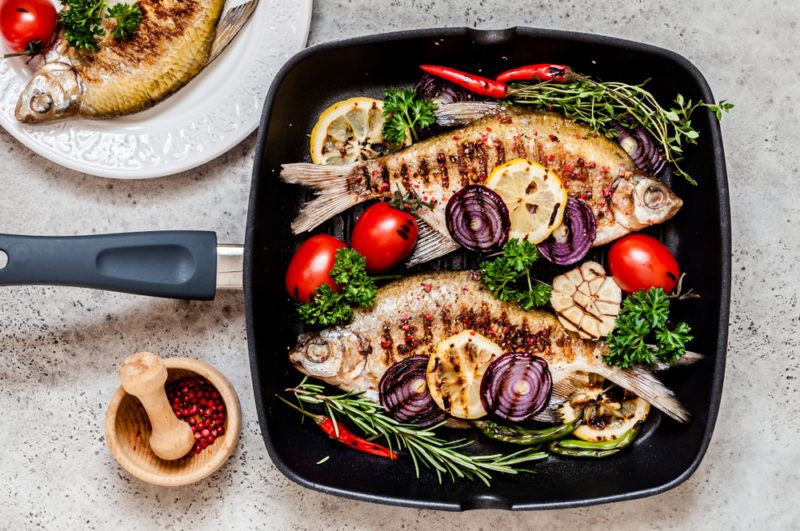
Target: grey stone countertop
60, 348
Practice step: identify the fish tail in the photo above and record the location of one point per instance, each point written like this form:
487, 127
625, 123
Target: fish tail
334, 193
462, 113
643, 384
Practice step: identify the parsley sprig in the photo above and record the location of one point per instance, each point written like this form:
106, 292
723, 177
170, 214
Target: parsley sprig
128, 17
83, 23
508, 277
328, 307
604, 104
405, 112
644, 317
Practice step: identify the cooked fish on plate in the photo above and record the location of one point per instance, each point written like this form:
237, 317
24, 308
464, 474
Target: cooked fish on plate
174, 41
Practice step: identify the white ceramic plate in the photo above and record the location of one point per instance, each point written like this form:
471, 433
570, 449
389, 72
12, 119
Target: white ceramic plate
206, 118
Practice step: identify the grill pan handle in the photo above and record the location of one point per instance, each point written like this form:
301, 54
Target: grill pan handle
174, 264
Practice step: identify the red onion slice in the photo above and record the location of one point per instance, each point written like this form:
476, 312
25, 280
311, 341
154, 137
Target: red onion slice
403, 392
571, 241
477, 218
516, 386
641, 147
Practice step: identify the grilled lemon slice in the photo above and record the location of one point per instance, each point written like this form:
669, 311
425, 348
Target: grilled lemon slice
535, 198
609, 411
455, 370
349, 131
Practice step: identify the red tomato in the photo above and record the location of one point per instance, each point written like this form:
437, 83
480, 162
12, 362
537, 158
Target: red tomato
641, 262
311, 265
25, 21
385, 236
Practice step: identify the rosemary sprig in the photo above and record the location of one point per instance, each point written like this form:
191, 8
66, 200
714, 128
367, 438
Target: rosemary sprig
422, 444
602, 105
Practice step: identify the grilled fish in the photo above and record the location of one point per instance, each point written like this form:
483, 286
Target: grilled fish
593, 168
171, 45
412, 315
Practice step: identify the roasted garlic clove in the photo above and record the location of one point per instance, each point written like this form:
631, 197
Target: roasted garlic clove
586, 300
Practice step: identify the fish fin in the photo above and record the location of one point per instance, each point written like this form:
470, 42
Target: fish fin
229, 26
331, 185
689, 358
561, 391
644, 385
430, 244
462, 113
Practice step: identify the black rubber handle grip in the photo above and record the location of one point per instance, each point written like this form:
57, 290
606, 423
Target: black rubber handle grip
175, 264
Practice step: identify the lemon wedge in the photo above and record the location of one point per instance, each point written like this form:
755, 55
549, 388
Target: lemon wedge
535, 198
349, 131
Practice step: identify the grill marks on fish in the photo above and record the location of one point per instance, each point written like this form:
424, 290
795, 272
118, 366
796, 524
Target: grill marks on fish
589, 165
413, 315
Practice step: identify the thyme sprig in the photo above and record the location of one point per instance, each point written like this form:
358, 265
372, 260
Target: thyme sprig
425, 448
604, 104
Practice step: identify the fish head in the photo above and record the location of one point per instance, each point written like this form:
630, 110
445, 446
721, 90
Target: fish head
331, 353
52, 93
639, 201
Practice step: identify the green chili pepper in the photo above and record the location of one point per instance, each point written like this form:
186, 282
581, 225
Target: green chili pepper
527, 437
578, 448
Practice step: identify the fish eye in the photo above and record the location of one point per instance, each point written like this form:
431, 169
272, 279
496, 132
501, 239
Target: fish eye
41, 103
654, 197
318, 351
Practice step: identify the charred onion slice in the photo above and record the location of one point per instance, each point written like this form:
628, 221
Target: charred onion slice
404, 393
571, 241
516, 386
477, 218
455, 371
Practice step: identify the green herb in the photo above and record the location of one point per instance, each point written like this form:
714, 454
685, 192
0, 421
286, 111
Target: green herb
508, 277
643, 316
404, 112
128, 17
33, 48
410, 201
602, 105
82, 21
328, 307
423, 445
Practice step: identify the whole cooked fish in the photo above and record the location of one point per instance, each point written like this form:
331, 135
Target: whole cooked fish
171, 45
592, 167
412, 315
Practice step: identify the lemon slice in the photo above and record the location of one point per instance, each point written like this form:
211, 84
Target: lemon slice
535, 198
455, 370
349, 131
608, 418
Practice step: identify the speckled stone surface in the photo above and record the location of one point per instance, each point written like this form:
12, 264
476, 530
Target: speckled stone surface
60, 348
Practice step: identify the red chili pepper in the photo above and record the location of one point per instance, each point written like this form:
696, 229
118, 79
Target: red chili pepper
479, 85
541, 72
344, 435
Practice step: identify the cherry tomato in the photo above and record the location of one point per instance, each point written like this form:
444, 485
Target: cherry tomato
25, 21
310, 266
385, 236
641, 262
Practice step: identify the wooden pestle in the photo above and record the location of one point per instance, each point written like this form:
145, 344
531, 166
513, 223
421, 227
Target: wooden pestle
143, 375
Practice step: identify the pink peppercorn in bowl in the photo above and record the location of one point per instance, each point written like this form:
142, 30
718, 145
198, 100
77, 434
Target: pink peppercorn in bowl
198, 394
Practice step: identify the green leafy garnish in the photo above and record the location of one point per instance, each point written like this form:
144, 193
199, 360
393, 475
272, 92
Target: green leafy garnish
508, 277
82, 21
644, 317
602, 105
328, 307
128, 17
405, 112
